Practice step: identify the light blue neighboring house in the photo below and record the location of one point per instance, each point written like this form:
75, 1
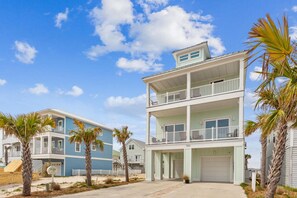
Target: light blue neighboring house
54, 147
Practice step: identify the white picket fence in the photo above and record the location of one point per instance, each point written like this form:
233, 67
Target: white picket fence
80, 172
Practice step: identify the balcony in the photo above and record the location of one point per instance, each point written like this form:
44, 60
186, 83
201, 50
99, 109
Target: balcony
212, 89
57, 130
205, 134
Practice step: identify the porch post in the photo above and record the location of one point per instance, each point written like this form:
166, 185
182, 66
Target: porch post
188, 86
149, 165
188, 123
41, 145
49, 148
158, 165
166, 165
148, 127
188, 163
34, 145
238, 164
241, 118
148, 94
241, 74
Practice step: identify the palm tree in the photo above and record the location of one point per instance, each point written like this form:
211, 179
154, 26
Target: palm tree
251, 127
88, 136
122, 136
247, 157
25, 127
273, 44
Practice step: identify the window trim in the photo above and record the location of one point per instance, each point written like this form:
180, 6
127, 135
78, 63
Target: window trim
78, 147
185, 57
216, 119
182, 123
199, 54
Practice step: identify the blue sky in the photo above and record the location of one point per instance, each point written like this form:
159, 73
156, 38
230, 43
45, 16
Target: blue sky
88, 57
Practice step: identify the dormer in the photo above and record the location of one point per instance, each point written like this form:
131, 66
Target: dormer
194, 54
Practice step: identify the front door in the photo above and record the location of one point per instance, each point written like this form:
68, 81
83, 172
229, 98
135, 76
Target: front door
210, 127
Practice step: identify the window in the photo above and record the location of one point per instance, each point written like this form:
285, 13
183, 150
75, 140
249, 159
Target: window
60, 144
17, 148
273, 140
77, 147
218, 127
131, 147
195, 54
93, 147
183, 57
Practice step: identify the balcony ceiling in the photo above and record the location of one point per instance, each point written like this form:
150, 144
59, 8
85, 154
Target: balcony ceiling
180, 82
212, 106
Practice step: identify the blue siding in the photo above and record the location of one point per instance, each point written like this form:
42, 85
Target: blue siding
70, 150
106, 137
76, 163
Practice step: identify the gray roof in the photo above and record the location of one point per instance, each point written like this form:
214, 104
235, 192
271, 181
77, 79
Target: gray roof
140, 143
195, 64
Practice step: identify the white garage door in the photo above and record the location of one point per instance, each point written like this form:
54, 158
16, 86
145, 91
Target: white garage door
215, 169
58, 167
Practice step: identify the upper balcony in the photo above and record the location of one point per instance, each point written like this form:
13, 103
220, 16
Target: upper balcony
193, 83
213, 88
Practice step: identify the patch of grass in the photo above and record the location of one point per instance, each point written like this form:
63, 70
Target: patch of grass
75, 188
281, 192
108, 180
290, 188
243, 185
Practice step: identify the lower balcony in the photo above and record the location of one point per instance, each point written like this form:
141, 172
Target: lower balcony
206, 134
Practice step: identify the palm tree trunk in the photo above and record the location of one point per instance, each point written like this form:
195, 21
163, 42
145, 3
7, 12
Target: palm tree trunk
27, 169
277, 161
88, 165
125, 162
263, 161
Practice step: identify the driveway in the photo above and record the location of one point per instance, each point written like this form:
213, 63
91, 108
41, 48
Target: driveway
167, 189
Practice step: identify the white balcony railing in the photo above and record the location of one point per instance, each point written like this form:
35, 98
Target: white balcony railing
205, 134
196, 92
170, 137
214, 133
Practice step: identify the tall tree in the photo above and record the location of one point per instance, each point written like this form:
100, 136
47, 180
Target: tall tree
25, 127
250, 128
88, 136
122, 136
273, 45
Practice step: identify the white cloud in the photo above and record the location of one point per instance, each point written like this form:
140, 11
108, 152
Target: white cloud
75, 91
131, 106
107, 21
149, 34
293, 33
250, 98
281, 80
294, 8
254, 76
61, 17
39, 89
2, 82
138, 65
24, 52
149, 5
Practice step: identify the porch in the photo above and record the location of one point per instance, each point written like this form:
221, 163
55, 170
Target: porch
225, 164
214, 121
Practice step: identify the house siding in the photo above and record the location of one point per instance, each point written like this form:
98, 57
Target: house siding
132, 153
79, 163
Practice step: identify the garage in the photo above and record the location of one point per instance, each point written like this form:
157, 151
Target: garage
216, 169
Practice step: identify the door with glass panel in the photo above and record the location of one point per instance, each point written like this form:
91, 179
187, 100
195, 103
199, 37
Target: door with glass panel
169, 129
216, 129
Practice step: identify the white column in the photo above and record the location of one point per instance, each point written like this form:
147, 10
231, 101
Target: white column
188, 123
34, 145
41, 144
49, 148
158, 165
148, 94
241, 117
167, 167
188, 163
188, 86
148, 127
238, 164
149, 165
241, 74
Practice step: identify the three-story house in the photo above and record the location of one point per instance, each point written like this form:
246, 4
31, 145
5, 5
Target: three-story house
197, 109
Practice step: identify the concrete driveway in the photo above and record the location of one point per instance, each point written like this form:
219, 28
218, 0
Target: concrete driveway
167, 189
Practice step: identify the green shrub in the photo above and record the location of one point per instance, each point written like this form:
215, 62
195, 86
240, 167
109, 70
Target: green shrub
56, 186
243, 185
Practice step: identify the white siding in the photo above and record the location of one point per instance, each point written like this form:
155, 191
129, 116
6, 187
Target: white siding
139, 151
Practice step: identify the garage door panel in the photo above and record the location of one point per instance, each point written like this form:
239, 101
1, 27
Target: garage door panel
215, 169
